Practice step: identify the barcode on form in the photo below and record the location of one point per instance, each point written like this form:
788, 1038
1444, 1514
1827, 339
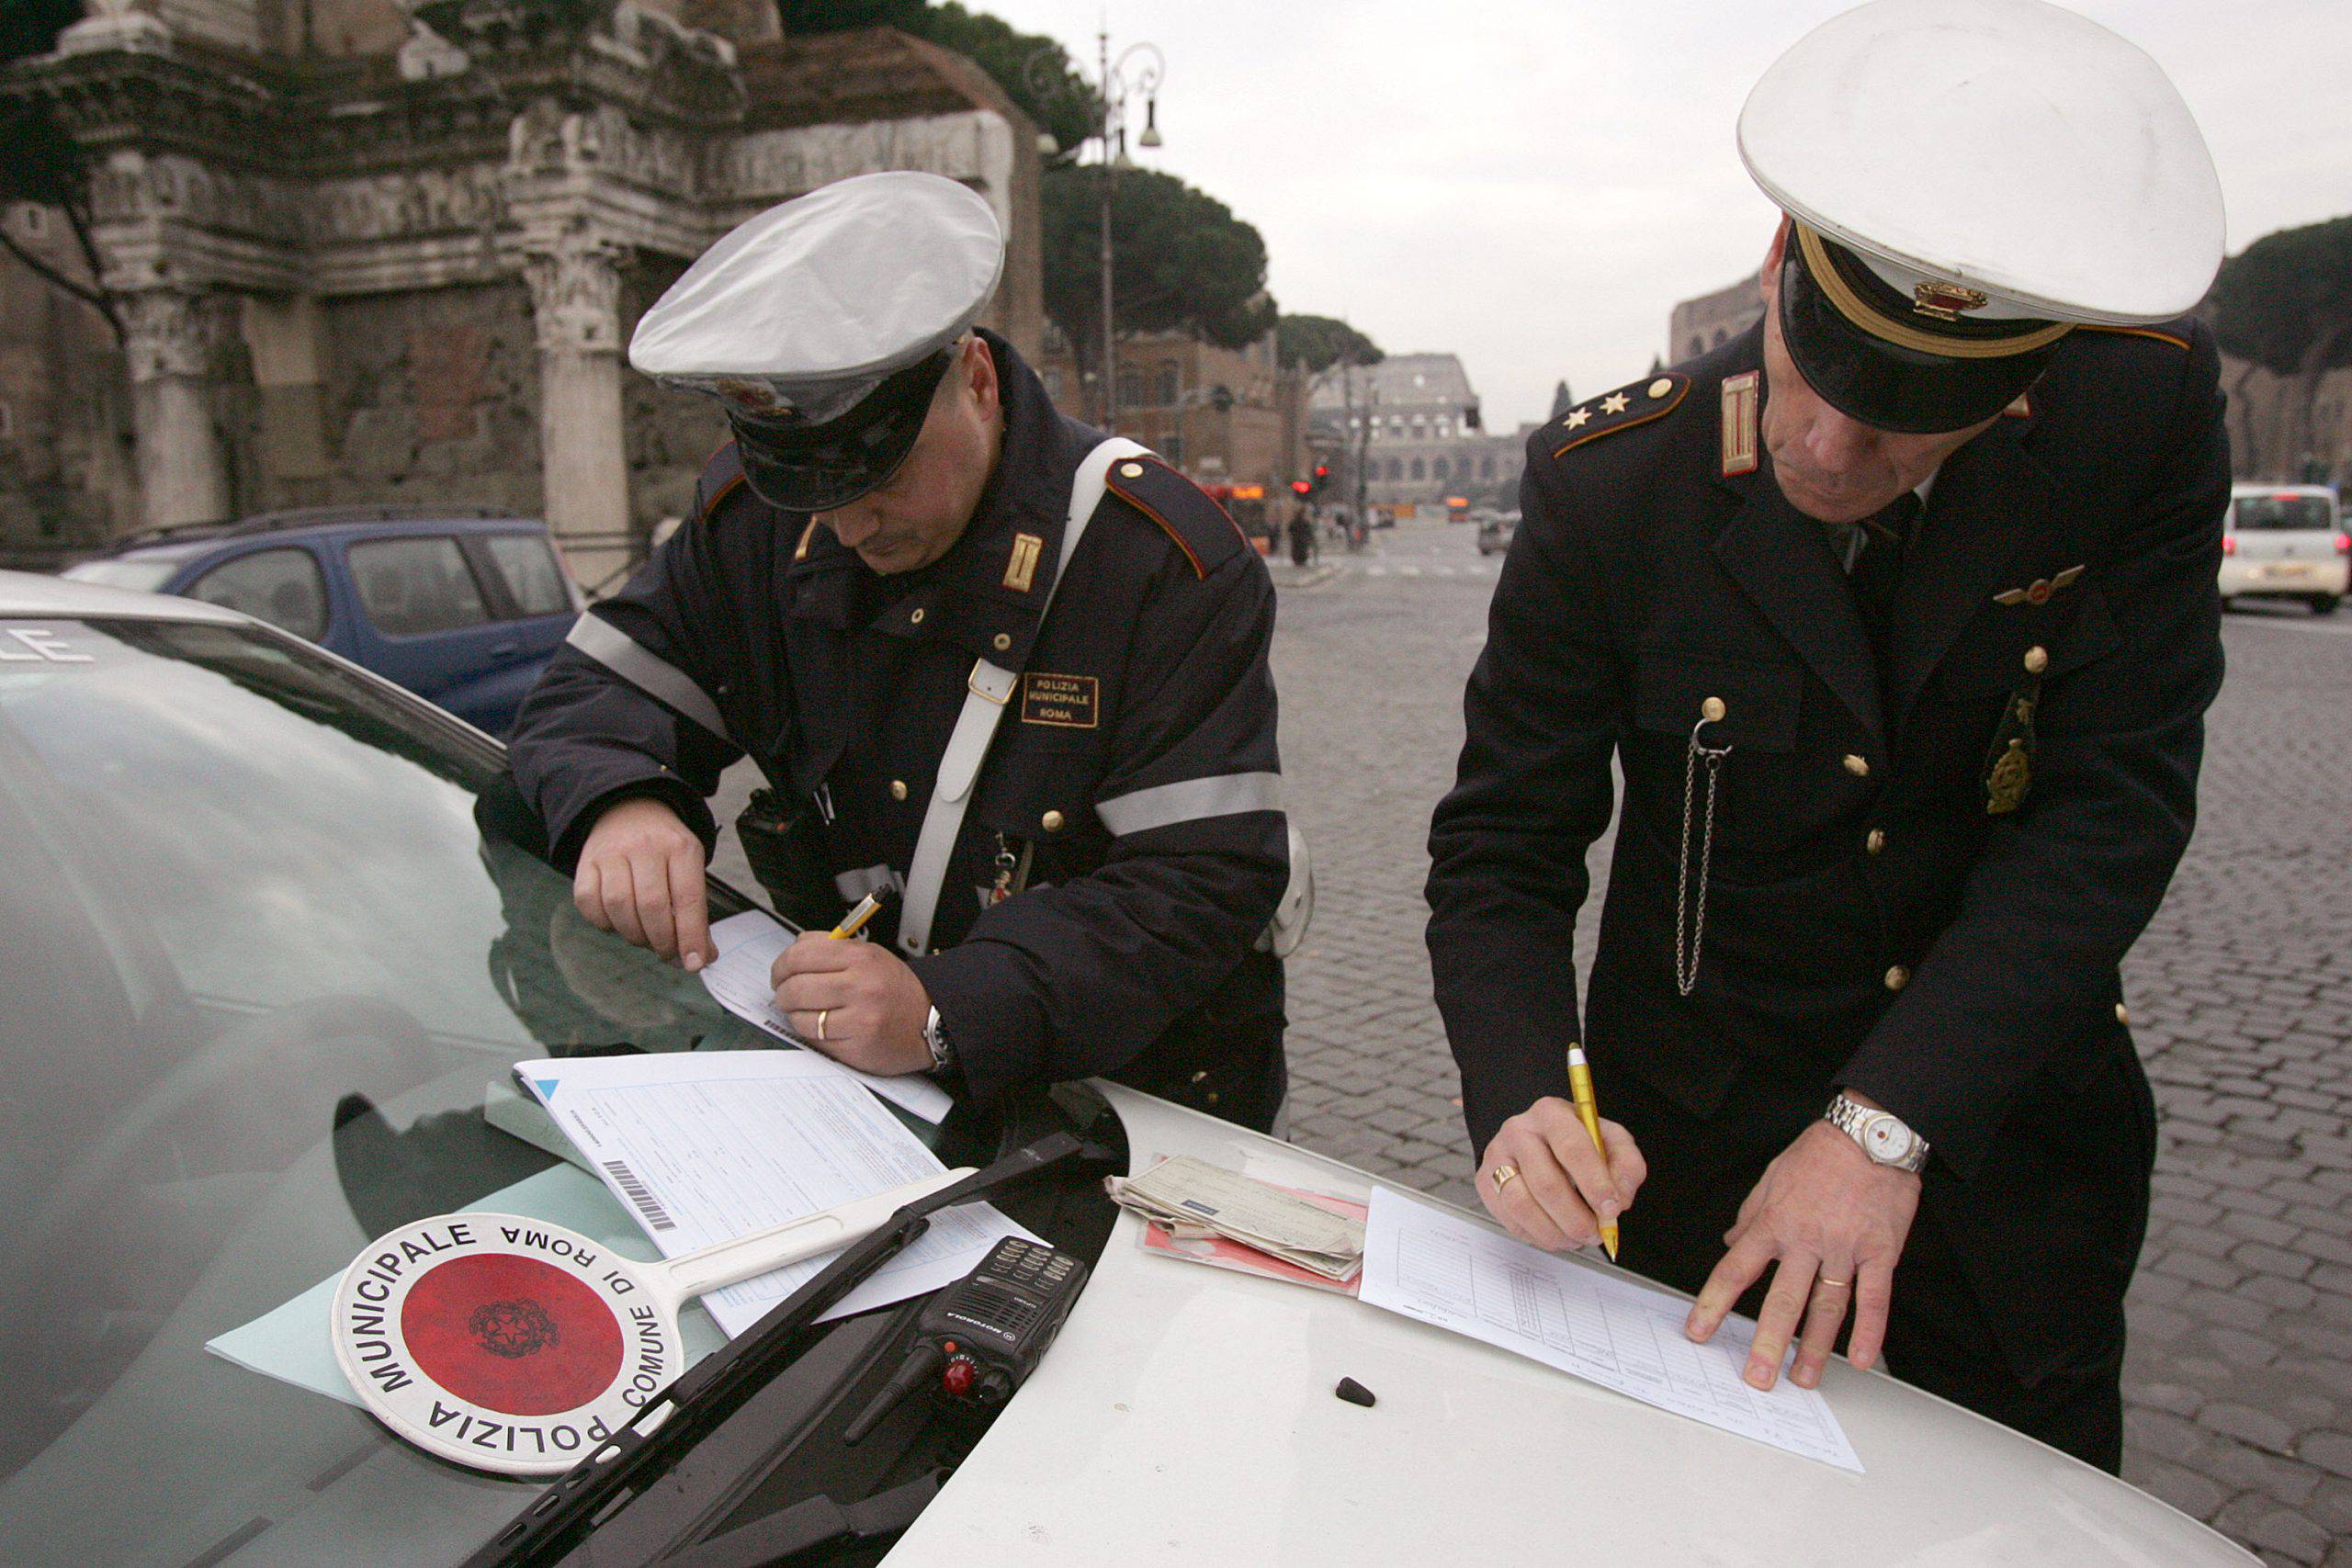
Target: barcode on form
640, 1194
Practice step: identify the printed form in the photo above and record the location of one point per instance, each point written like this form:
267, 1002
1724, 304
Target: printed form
1456, 1274
704, 1146
748, 945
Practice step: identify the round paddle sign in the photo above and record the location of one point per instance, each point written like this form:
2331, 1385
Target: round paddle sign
502, 1342
512, 1344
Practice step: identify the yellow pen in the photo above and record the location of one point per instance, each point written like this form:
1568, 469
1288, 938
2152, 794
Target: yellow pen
1589, 1113
854, 921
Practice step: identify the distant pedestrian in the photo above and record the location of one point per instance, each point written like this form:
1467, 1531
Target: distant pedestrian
1302, 533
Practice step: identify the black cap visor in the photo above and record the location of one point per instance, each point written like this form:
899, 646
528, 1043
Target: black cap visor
805, 467
1870, 376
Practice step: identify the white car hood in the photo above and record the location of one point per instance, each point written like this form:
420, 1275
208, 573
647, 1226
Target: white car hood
1186, 1416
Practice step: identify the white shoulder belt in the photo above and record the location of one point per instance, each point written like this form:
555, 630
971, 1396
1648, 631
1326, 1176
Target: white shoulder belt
988, 690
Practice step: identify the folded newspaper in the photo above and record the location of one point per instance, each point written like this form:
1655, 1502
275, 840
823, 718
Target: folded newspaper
1185, 1193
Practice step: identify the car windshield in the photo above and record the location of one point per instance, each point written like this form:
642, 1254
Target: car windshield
2313, 513
263, 966
144, 574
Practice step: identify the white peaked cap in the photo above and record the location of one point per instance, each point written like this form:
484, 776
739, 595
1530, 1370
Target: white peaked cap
812, 304
2005, 146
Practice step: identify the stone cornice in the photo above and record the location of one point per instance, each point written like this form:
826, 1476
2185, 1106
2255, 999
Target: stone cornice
267, 116
165, 102
529, 119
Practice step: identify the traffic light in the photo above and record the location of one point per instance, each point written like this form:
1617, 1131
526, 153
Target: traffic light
1302, 487
1322, 478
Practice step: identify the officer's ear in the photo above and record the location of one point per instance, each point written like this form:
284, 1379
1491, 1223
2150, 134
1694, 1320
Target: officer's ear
1767, 282
977, 365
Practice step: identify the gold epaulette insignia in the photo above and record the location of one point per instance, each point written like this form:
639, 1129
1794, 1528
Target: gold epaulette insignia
1621, 409
1021, 567
1741, 408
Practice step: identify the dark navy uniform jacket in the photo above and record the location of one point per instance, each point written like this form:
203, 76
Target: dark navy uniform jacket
1133, 777
1870, 923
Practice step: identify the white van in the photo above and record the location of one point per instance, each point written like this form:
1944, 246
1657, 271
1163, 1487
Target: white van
2285, 542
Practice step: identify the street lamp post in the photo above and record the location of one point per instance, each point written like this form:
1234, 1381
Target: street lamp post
1119, 85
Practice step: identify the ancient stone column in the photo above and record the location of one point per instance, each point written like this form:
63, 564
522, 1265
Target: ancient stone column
575, 304
183, 477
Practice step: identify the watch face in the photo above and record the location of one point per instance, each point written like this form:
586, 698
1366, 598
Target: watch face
1887, 1139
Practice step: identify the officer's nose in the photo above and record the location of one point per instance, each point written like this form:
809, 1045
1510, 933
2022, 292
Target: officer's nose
1837, 445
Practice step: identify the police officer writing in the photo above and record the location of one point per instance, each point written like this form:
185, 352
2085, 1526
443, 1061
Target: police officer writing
985, 657
1898, 614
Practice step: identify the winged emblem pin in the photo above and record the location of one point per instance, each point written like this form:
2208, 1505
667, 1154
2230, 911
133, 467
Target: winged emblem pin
2039, 590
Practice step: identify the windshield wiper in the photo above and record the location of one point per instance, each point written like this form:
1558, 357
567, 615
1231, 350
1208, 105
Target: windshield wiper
562, 1516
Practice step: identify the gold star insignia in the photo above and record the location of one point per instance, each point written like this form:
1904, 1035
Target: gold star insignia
1576, 417
1614, 403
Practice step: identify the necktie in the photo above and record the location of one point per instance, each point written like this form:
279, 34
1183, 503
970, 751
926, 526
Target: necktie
1878, 571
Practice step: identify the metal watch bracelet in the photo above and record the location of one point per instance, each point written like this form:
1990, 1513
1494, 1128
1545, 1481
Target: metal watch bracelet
1885, 1137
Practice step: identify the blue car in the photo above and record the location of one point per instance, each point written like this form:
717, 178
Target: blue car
462, 605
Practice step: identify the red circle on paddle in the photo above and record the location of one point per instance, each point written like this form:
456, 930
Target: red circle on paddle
512, 1333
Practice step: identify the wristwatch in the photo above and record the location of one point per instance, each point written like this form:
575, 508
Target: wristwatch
1883, 1134
943, 1054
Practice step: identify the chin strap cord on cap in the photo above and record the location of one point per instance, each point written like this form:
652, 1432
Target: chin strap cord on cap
988, 690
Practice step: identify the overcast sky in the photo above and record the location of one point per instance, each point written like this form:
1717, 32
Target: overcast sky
1532, 184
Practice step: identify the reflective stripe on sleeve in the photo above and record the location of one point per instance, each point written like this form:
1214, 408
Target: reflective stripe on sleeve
1190, 800
648, 672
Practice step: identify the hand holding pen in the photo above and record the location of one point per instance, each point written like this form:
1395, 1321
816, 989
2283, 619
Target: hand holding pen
1556, 1175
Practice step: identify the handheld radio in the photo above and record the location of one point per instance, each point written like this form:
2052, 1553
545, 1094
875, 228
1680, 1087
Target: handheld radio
986, 1333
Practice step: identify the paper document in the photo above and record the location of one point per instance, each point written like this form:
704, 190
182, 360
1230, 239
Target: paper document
1198, 1244
1447, 1270
708, 1146
747, 944
1192, 1192
295, 1342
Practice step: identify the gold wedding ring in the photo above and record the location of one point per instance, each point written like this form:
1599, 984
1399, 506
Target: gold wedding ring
1834, 1284
1504, 1176
822, 1014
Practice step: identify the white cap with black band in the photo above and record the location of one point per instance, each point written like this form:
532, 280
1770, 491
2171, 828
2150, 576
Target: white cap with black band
824, 325
1968, 180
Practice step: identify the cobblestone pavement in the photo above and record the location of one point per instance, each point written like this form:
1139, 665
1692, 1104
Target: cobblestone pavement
2239, 1382
1370, 664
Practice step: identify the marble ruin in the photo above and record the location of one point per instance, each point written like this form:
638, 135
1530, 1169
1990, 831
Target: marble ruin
392, 250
